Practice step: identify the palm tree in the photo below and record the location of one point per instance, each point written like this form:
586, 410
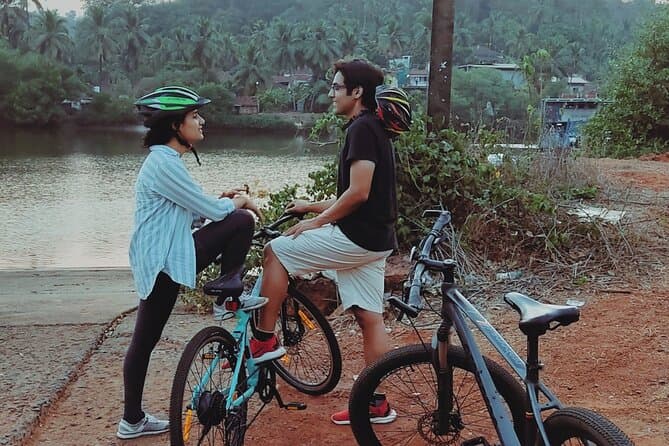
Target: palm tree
283, 47
135, 38
181, 46
96, 30
391, 38
422, 25
205, 38
8, 16
251, 72
348, 39
160, 50
14, 19
321, 50
52, 37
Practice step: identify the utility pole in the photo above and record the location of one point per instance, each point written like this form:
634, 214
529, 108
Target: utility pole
441, 61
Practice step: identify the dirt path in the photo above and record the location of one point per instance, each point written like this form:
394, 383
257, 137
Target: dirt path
615, 360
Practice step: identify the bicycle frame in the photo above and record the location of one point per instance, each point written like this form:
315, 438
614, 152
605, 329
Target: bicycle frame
241, 336
455, 308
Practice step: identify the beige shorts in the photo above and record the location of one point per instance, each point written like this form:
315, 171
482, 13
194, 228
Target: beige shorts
360, 272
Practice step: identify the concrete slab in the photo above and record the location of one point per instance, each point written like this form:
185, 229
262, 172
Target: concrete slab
50, 323
65, 296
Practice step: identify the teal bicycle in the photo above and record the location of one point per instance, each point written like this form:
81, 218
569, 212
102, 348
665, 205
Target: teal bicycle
216, 377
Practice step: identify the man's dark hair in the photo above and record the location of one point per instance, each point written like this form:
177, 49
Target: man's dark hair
163, 130
360, 73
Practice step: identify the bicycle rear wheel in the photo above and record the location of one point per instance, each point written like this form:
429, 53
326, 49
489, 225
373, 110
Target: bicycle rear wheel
202, 418
574, 426
408, 378
313, 361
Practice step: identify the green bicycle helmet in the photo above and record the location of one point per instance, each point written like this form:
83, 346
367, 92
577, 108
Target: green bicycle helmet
168, 101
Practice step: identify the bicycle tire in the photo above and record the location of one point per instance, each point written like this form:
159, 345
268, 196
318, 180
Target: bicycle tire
187, 424
312, 363
578, 426
414, 402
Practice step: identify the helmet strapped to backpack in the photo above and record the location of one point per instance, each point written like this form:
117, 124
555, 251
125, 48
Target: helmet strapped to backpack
393, 109
168, 101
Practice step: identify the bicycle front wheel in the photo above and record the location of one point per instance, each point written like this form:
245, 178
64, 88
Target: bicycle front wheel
313, 361
574, 426
200, 388
408, 378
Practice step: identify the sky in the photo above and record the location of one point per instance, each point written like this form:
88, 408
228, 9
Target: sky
63, 6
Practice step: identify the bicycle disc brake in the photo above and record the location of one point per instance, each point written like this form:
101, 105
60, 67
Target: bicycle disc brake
292, 326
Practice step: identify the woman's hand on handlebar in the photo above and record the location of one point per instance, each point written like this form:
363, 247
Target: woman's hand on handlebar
242, 202
232, 193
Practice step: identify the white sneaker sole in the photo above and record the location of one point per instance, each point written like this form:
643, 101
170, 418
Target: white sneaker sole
140, 434
270, 356
392, 416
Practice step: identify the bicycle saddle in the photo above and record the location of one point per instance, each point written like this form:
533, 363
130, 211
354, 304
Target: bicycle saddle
228, 285
536, 318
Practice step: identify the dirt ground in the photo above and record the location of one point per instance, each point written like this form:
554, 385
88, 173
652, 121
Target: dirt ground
615, 360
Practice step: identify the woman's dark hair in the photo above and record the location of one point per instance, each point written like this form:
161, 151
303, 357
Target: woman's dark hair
163, 130
360, 73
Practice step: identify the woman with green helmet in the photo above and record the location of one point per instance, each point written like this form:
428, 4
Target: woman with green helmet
164, 252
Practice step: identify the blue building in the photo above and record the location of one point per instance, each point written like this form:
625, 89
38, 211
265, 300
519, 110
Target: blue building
563, 118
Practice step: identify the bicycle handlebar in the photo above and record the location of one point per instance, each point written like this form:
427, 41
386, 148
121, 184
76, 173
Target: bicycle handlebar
413, 304
270, 231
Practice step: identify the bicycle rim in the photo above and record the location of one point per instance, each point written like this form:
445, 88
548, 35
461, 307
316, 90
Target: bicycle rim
312, 363
201, 418
408, 379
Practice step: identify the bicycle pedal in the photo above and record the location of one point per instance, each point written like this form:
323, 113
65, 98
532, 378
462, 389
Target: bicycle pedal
295, 406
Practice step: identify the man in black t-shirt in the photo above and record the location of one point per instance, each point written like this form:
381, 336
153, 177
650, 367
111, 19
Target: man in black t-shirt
352, 234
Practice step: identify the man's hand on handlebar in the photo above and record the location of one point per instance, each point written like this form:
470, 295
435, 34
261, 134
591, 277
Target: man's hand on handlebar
304, 225
298, 207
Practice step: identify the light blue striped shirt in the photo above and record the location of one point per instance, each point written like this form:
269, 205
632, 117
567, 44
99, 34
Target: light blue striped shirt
167, 199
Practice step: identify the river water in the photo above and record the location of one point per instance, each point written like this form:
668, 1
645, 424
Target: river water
67, 195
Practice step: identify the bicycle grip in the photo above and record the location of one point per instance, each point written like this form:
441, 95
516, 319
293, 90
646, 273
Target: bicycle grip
407, 309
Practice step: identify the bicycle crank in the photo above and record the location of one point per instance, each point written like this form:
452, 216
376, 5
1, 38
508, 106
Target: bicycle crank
267, 390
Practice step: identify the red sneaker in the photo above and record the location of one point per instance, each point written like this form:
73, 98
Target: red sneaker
379, 413
263, 351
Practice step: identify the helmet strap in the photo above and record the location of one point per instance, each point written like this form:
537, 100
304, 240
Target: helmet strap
189, 146
197, 158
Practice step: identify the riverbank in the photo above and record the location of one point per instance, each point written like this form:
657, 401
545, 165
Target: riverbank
286, 122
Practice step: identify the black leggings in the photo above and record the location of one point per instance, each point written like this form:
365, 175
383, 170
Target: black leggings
230, 237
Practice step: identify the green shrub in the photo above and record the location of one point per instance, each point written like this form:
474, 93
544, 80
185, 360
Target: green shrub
637, 120
108, 110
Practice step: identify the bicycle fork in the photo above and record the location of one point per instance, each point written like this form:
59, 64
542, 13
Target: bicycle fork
448, 417
445, 418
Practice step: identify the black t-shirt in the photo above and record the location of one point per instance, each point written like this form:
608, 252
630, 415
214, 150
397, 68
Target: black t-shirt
372, 225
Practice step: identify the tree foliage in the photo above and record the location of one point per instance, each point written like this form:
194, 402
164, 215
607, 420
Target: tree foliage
123, 45
32, 88
637, 119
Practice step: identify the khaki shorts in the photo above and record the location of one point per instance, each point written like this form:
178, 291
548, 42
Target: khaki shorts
360, 272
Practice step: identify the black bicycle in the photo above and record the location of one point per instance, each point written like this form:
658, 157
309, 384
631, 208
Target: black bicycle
446, 394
